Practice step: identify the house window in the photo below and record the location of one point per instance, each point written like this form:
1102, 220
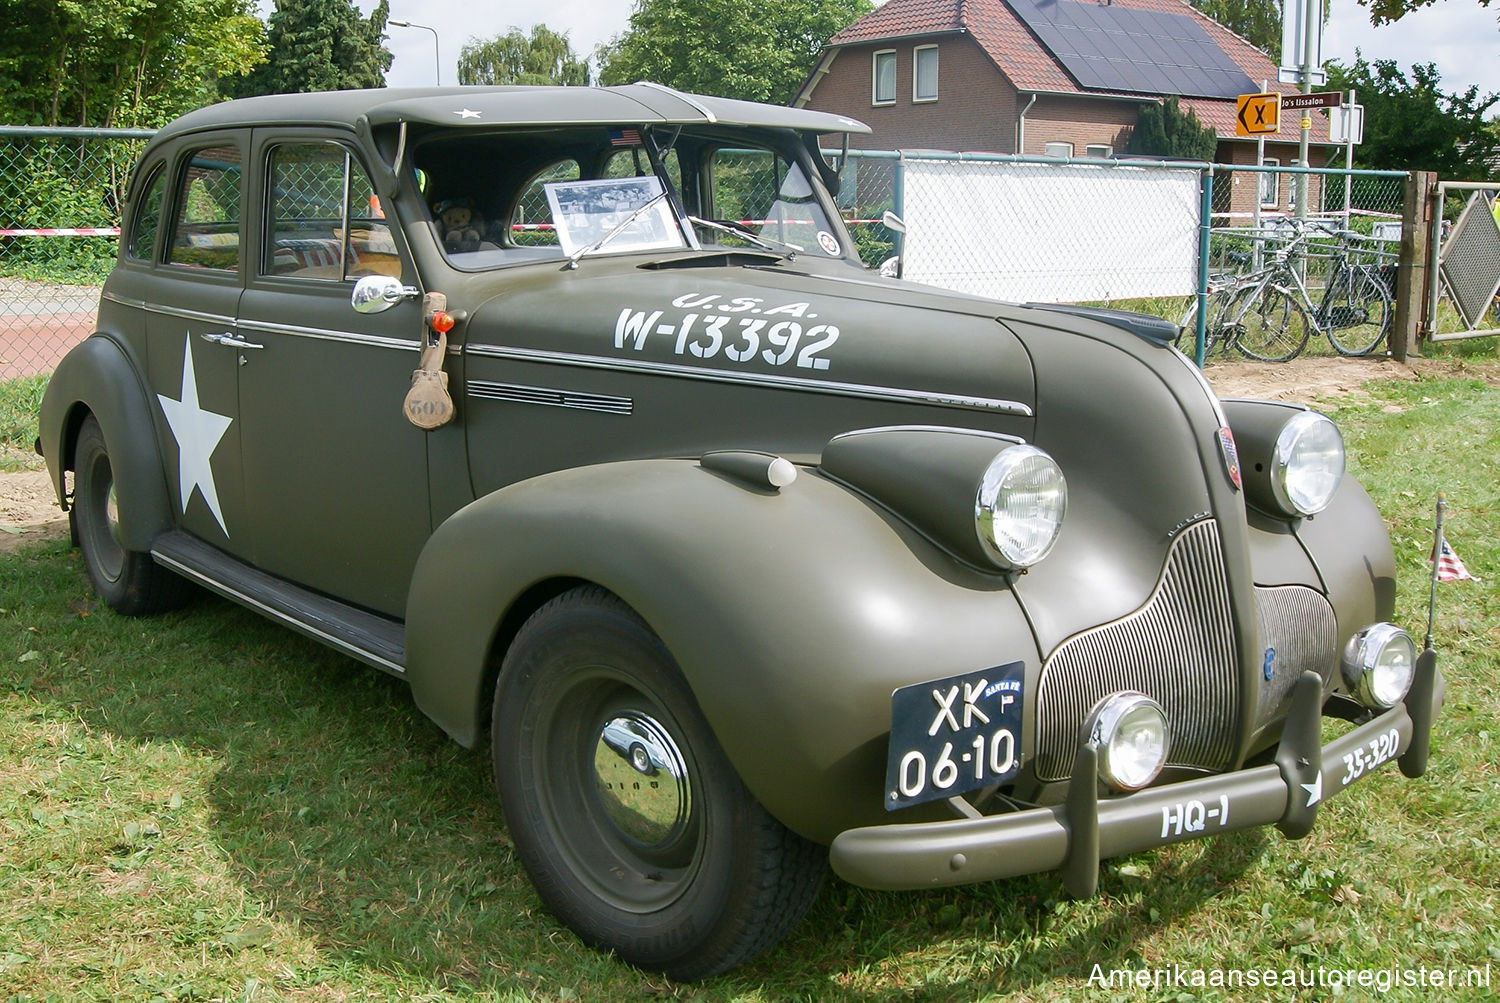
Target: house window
1268, 184
1101, 150
1059, 149
924, 86
885, 77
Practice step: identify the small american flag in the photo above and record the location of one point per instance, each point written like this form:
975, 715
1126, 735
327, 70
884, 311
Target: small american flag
624, 137
1450, 568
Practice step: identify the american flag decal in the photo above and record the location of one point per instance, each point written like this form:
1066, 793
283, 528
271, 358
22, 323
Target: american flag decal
624, 137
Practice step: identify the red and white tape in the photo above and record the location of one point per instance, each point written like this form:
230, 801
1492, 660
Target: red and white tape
64, 231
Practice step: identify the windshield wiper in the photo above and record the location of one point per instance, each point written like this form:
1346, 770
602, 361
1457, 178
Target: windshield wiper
744, 233
620, 228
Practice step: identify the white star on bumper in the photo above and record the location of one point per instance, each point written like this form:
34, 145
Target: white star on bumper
197, 433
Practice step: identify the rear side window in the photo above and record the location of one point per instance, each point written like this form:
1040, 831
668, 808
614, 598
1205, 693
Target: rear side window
324, 219
206, 222
146, 222
531, 224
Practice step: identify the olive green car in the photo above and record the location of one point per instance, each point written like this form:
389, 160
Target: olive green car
741, 557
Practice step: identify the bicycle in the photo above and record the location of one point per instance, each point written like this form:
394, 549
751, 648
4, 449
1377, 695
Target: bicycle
1268, 315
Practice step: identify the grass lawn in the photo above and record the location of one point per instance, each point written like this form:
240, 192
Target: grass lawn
205, 806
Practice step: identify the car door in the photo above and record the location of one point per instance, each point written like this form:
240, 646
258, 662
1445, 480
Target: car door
336, 491
189, 300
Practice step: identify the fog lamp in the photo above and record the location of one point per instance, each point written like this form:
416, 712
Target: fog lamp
1129, 731
1378, 664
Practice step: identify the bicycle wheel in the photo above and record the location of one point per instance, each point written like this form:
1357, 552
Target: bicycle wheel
1356, 311
1273, 328
1213, 327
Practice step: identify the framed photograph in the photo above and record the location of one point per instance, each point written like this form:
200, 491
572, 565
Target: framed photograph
587, 211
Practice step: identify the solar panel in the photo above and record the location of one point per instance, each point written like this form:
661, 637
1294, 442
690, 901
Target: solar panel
1136, 51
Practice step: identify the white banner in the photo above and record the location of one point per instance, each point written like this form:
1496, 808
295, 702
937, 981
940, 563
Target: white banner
1051, 233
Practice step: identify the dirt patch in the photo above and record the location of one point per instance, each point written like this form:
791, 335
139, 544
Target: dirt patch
28, 510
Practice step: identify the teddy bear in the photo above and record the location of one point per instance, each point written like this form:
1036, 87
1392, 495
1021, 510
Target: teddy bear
461, 227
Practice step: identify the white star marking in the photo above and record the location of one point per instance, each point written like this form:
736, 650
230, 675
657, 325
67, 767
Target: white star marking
197, 433
467, 113
1314, 789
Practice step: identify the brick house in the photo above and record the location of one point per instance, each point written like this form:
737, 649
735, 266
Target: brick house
973, 76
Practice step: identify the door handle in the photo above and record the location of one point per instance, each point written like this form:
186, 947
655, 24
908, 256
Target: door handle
231, 340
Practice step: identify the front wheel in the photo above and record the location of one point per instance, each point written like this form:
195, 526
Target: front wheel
1273, 328
1356, 310
627, 815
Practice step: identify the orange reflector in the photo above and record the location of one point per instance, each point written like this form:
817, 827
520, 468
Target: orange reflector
442, 321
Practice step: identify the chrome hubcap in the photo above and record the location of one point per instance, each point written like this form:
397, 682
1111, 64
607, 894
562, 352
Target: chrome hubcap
641, 779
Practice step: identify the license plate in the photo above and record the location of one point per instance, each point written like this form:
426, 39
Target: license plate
953, 735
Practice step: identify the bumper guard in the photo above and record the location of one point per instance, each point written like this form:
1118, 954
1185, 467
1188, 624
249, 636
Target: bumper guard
1074, 836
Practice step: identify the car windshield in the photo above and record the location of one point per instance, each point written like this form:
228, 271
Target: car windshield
515, 196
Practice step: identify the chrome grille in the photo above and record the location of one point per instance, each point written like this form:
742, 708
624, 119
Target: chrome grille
1179, 649
1297, 633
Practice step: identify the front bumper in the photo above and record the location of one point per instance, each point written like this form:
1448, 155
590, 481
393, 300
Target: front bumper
1074, 836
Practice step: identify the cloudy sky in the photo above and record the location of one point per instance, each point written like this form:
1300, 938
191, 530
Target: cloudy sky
1460, 36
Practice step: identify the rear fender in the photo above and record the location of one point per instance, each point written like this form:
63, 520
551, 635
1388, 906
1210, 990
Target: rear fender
793, 614
98, 378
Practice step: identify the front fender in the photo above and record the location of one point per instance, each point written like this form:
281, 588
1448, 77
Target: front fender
793, 614
98, 377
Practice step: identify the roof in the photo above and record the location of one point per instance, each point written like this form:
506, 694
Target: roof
480, 107
1024, 60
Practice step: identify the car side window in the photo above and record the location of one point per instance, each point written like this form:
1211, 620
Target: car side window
325, 221
206, 223
147, 220
531, 223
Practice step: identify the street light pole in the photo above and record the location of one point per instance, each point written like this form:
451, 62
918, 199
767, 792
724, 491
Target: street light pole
437, 56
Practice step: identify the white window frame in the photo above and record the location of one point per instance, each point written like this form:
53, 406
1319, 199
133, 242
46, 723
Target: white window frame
1102, 151
875, 98
916, 76
1273, 181
1048, 149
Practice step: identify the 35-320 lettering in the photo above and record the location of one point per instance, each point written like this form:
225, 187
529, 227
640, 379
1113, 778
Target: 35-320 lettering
740, 329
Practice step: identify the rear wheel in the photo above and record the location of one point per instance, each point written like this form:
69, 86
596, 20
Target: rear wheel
1274, 328
634, 827
128, 580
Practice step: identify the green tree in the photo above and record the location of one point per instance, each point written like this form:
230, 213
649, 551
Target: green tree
1412, 125
1165, 130
120, 62
1256, 21
734, 48
1386, 11
320, 45
543, 57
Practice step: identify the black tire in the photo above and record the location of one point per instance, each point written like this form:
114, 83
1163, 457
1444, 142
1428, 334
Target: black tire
129, 581
1213, 324
1356, 310
1274, 328
683, 872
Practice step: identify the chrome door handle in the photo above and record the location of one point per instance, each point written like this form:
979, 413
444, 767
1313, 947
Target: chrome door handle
232, 341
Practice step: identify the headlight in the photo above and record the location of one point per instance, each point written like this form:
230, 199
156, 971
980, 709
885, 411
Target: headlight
1307, 464
1020, 506
1378, 664
1130, 732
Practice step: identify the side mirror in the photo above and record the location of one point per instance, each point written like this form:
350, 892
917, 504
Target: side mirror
378, 293
892, 222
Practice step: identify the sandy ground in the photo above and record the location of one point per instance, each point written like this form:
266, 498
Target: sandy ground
29, 512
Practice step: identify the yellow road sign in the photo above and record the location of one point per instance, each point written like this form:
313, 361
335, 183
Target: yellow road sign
1257, 113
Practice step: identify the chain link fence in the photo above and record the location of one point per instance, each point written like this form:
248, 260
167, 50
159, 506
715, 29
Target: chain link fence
60, 196
1125, 234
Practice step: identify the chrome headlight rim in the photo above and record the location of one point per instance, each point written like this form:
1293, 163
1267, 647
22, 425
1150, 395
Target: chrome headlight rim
1003, 547
1294, 445
1379, 664
1115, 718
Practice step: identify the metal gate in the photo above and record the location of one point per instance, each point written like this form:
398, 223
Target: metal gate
1464, 272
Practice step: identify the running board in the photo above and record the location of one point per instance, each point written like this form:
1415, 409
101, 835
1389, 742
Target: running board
372, 639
